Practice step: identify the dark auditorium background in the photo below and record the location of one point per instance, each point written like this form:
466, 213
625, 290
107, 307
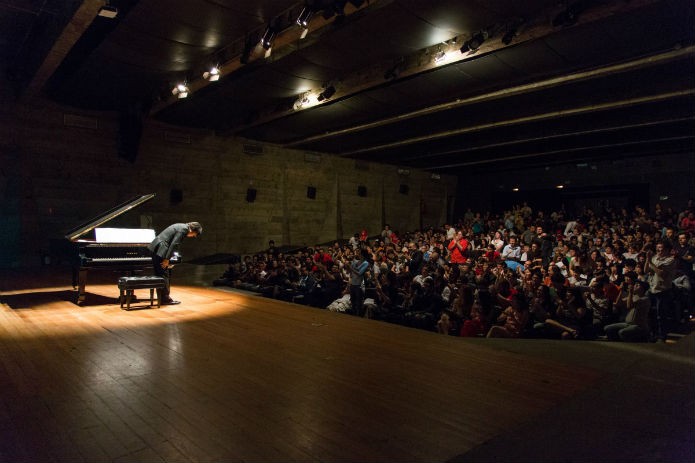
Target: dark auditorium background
406, 112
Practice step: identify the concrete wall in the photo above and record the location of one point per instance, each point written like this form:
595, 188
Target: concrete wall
60, 167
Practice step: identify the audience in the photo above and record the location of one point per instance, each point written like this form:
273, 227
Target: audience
616, 275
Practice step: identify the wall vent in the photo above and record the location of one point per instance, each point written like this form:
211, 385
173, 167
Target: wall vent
83, 122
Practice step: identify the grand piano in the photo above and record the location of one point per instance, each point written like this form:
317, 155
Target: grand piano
121, 250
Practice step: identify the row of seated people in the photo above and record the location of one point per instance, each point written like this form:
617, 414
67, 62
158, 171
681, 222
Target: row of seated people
580, 285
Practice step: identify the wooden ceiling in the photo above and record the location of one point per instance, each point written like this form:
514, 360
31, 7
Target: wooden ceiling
551, 82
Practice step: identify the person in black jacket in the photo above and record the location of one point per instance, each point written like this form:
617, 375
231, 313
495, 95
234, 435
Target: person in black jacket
163, 247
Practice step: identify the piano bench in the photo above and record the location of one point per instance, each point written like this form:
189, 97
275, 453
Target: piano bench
130, 284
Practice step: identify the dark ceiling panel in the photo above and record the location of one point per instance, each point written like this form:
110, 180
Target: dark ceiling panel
532, 59
391, 105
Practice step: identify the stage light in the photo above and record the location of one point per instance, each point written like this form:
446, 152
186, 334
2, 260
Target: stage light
212, 75
440, 57
180, 90
475, 42
304, 18
327, 93
268, 37
305, 100
509, 36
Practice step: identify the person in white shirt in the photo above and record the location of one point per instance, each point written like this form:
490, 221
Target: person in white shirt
511, 254
662, 267
450, 232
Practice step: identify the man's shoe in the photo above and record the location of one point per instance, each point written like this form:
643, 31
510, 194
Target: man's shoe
171, 302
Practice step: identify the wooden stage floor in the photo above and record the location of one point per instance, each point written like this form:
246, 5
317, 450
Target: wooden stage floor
228, 376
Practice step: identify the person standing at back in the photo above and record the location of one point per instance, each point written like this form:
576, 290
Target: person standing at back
662, 266
163, 247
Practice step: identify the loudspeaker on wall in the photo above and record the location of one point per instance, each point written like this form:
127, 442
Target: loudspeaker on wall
403, 189
311, 192
362, 190
251, 195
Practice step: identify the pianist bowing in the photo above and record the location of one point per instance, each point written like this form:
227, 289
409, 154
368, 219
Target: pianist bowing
164, 246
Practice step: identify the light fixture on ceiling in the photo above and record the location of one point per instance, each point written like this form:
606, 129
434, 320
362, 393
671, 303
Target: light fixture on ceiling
305, 100
268, 37
474, 43
327, 93
303, 21
108, 11
212, 75
180, 90
304, 17
510, 35
512, 30
435, 176
439, 57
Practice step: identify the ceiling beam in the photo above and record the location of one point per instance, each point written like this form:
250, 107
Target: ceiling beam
76, 27
605, 129
533, 118
424, 60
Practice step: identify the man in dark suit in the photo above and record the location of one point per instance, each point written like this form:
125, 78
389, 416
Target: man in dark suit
163, 247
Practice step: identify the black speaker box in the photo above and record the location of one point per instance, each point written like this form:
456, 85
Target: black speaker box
251, 195
362, 190
311, 192
403, 189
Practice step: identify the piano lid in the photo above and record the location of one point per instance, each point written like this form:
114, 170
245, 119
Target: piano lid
80, 230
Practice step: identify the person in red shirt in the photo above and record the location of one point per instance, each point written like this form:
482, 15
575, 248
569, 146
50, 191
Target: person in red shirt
688, 223
363, 236
457, 249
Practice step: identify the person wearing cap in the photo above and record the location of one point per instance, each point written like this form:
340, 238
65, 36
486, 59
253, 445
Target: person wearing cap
163, 247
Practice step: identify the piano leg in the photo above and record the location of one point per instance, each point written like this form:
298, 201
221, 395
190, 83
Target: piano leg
75, 270
82, 282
